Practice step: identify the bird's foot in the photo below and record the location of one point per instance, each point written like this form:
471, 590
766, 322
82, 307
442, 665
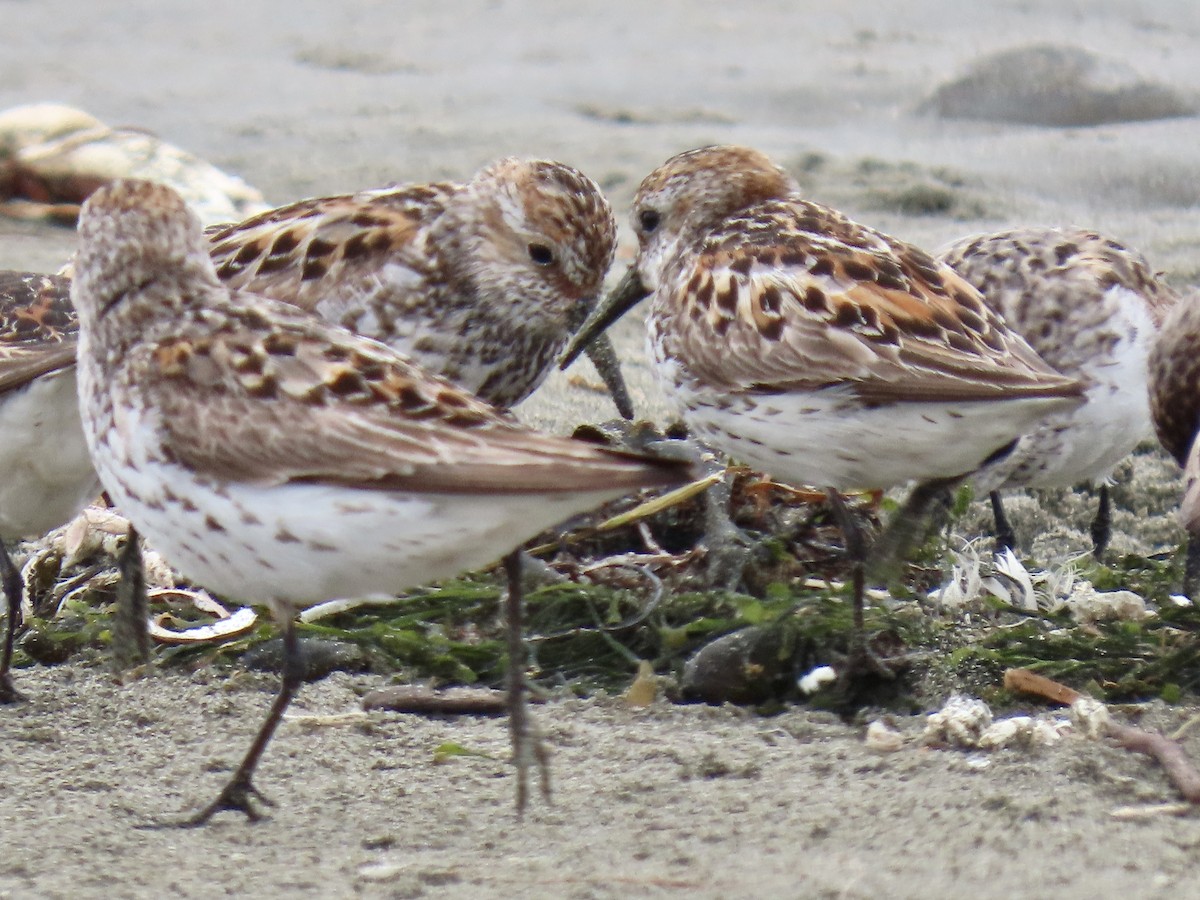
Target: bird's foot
239, 795
869, 665
8, 693
528, 750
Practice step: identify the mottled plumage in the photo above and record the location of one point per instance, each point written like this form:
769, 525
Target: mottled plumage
261, 449
1175, 397
482, 282
47, 476
1090, 307
815, 348
1175, 408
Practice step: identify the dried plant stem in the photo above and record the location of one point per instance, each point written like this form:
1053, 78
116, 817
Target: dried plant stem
1166, 752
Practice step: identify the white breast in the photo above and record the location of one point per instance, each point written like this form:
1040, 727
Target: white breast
300, 544
47, 476
1086, 443
824, 438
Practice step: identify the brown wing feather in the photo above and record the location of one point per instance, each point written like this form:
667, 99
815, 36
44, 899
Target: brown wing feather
19, 367
303, 252
1175, 378
38, 328
799, 310
301, 401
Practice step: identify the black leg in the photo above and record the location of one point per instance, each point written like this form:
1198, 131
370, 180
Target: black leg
13, 589
1102, 524
527, 745
1191, 569
1006, 538
239, 794
131, 639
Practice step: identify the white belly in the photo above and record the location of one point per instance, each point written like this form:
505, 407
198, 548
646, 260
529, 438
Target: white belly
825, 439
301, 544
46, 474
1086, 443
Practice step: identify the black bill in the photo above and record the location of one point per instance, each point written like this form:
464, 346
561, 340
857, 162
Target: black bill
623, 298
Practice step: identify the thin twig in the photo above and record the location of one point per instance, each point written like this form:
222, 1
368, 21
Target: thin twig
648, 540
1141, 813
1167, 753
1179, 733
426, 701
63, 589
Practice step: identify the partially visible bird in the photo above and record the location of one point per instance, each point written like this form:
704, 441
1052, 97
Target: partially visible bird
1175, 406
1091, 308
48, 477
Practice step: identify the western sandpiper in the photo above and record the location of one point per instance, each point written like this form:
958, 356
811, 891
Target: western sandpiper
259, 448
1175, 405
817, 349
1090, 307
482, 281
48, 477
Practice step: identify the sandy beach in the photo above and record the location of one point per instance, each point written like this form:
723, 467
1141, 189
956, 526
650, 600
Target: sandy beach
304, 99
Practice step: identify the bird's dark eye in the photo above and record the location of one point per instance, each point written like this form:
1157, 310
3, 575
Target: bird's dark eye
649, 219
541, 254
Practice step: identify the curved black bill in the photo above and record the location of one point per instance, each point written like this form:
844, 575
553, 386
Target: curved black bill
623, 298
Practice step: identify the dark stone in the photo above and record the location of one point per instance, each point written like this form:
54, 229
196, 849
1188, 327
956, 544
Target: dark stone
318, 657
742, 667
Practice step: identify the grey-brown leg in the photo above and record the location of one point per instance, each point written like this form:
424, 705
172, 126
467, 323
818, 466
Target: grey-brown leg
131, 638
526, 743
1191, 568
860, 657
925, 509
240, 794
729, 549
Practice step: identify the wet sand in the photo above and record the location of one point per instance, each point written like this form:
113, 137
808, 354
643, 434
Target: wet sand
305, 98
672, 801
